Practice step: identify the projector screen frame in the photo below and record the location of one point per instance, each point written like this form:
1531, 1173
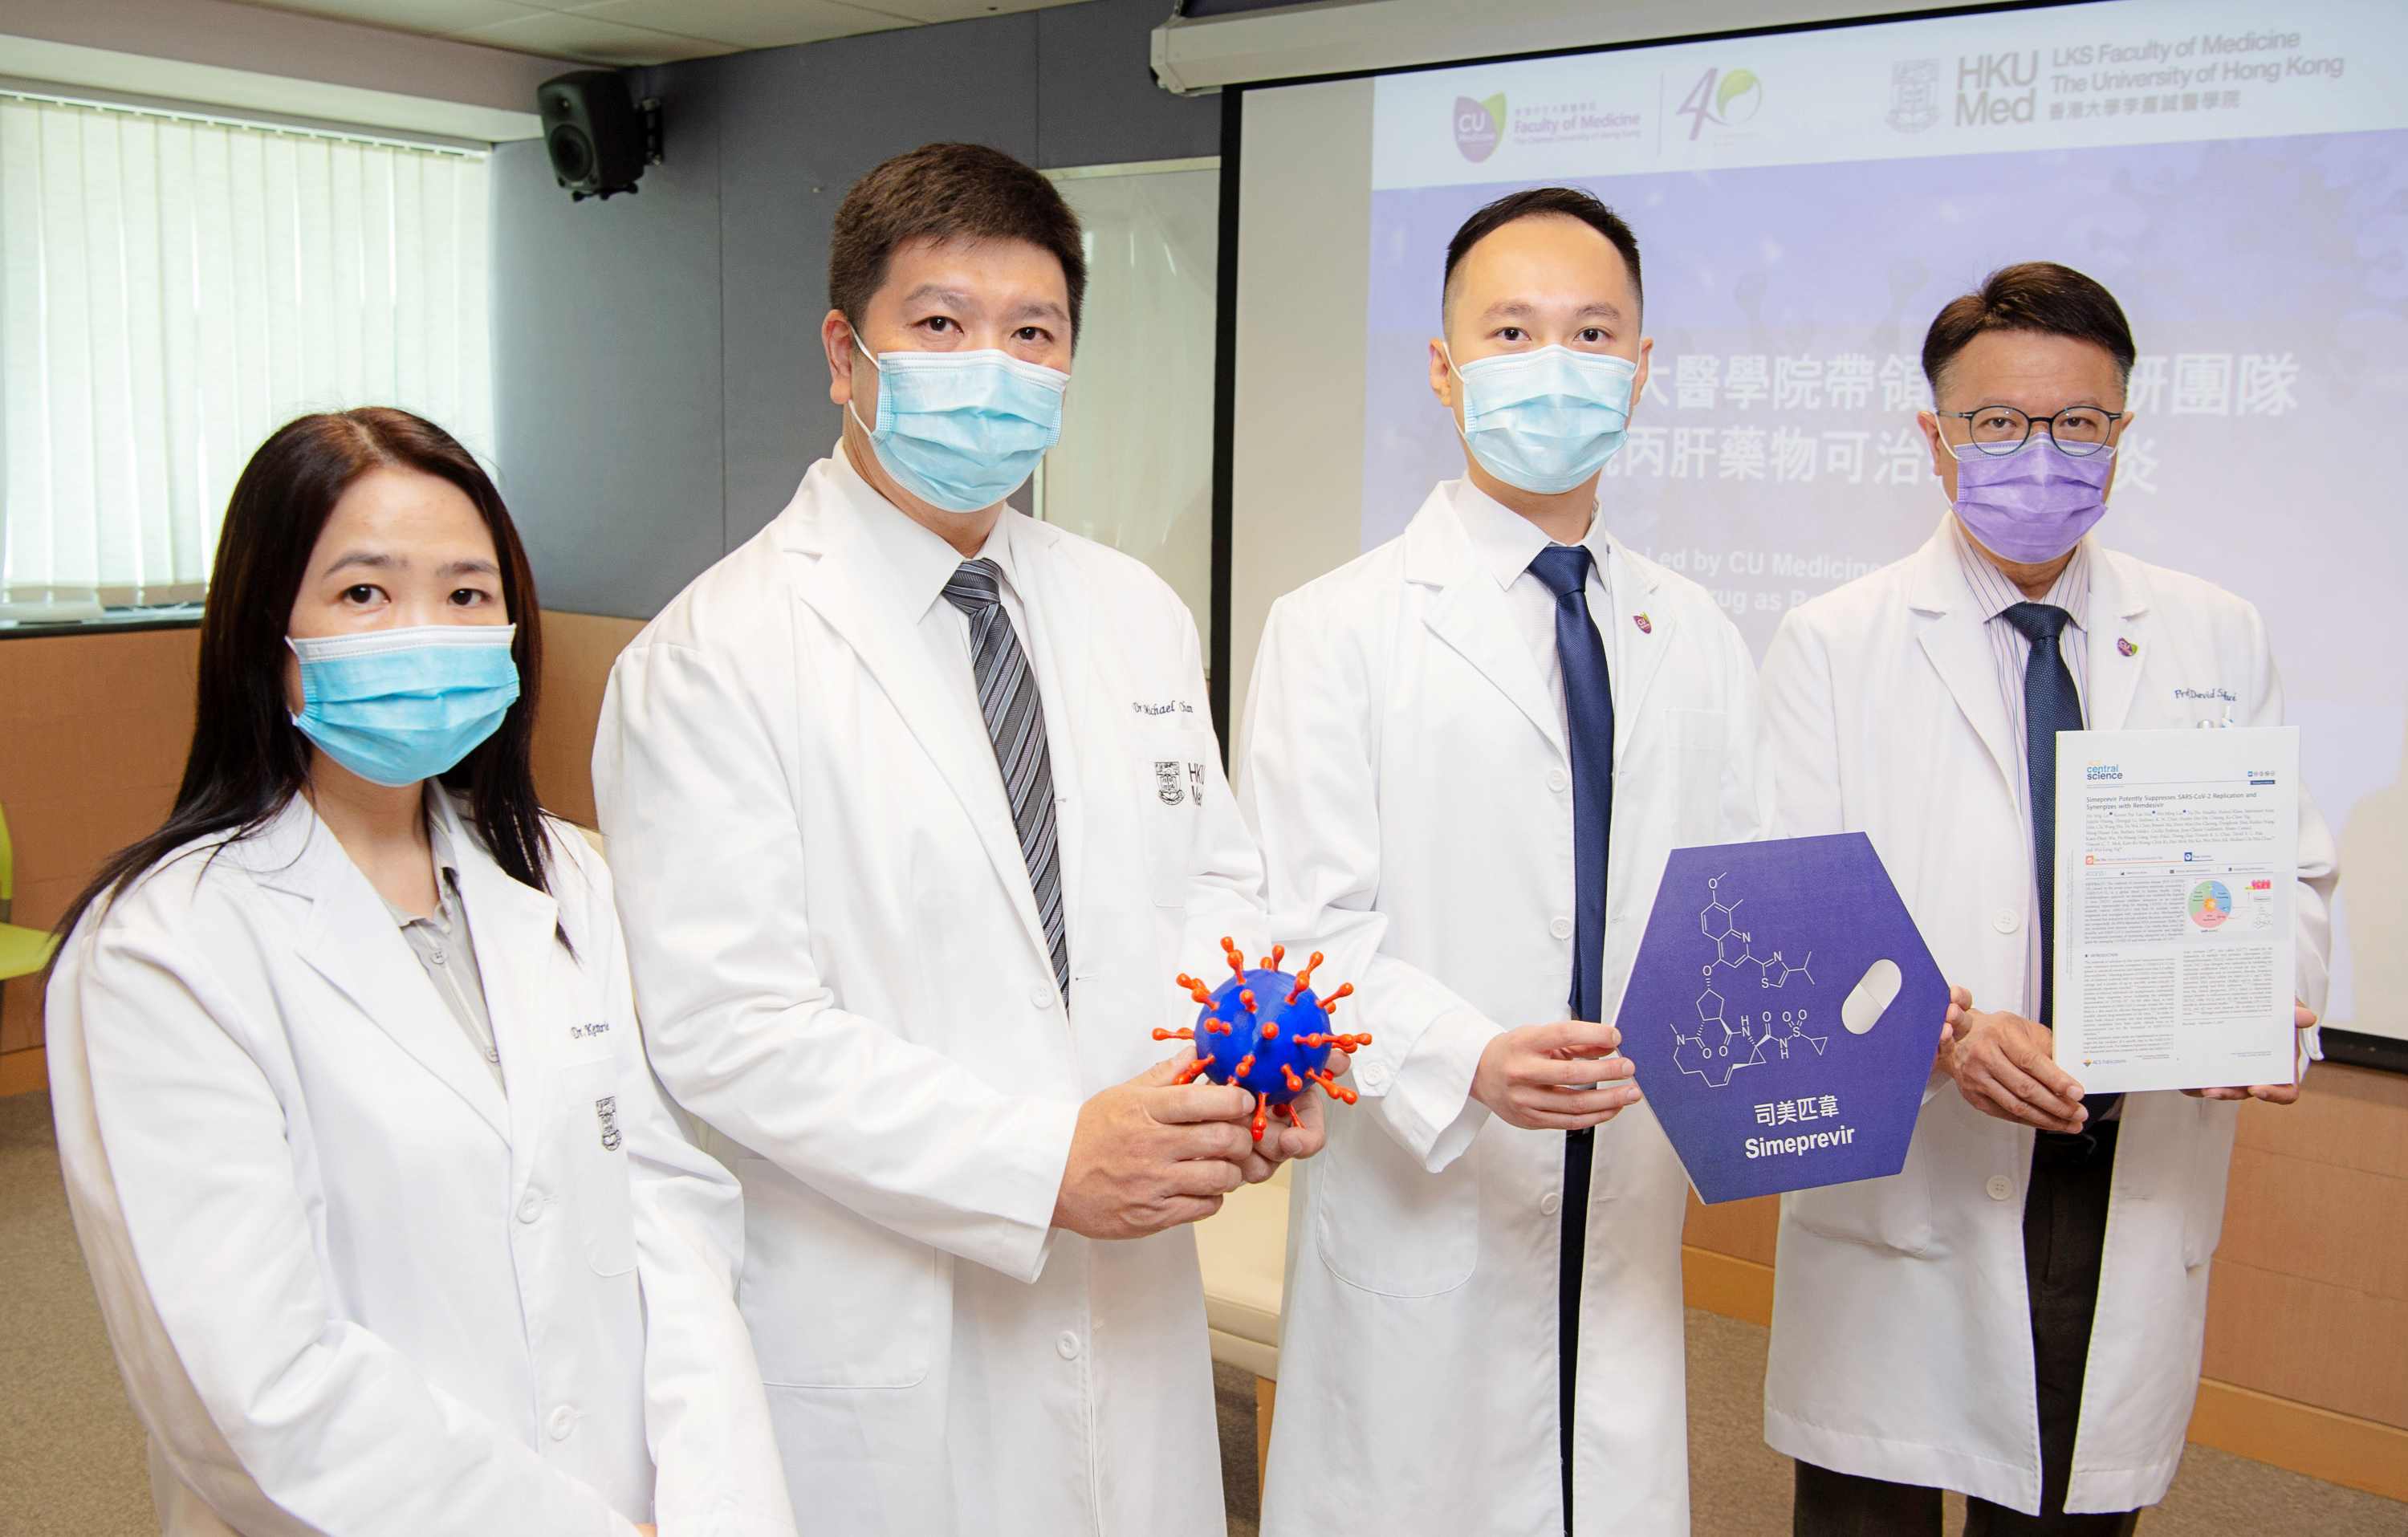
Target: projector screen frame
2358, 1049
1224, 424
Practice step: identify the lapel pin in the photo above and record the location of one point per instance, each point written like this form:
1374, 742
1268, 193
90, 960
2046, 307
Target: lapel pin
1645, 628
2124, 647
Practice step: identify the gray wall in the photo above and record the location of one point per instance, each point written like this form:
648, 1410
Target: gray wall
659, 385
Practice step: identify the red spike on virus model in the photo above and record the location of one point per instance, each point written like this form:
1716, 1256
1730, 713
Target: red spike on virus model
1263, 1030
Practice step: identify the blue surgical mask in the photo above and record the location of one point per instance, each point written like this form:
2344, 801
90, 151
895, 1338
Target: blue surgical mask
1544, 420
963, 430
396, 707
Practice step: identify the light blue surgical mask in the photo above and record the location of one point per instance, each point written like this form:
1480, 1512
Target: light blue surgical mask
962, 430
396, 707
1547, 420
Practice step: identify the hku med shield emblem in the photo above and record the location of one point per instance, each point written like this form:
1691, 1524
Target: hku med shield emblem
1913, 94
606, 1110
1168, 781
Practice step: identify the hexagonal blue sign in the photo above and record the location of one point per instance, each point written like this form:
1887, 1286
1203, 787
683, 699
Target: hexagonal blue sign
1782, 1011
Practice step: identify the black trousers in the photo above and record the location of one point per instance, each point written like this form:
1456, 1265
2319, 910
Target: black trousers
1578, 1146
2065, 1232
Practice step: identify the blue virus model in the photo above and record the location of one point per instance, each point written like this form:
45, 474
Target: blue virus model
1263, 1030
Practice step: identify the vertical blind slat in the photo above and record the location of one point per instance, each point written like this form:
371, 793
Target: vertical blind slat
68, 524
24, 458
180, 364
143, 425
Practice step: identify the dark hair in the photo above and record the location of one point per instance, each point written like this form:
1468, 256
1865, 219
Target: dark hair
2036, 296
1540, 202
944, 192
246, 759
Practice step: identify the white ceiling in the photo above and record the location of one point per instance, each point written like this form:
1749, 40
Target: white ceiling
647, 32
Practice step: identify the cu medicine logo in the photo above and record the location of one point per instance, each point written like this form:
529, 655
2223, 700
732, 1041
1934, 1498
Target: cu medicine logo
1478, 126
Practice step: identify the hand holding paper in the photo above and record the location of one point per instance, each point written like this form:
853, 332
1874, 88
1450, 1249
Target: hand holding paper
1952, 1030
1556, 1077
2004, 1068
2302, 1018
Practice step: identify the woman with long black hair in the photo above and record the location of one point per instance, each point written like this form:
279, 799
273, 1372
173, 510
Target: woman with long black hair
391, 1227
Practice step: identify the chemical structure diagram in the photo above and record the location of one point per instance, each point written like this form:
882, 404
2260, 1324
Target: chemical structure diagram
1723, 1043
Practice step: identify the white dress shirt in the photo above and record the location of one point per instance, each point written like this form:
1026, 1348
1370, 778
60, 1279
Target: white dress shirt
2012, 652
927, 562
1506, 543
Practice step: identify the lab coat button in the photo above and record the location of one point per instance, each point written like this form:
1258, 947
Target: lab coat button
2006, 920
436, 955
1561, 929
1557, 780
1550, 1203
531, 1207
562, 1420
1069, 1346
2000, 1187
1041, 994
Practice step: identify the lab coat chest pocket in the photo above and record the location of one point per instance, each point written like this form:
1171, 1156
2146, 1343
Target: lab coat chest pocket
1165, 763
1892, 1212
832, 1298
594, 1184
1386, 1225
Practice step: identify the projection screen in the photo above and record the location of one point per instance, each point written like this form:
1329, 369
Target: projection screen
2236, 174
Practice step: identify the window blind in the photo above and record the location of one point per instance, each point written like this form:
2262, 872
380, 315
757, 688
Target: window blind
174, 287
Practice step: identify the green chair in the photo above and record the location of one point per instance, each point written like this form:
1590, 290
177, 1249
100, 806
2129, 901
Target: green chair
23, 951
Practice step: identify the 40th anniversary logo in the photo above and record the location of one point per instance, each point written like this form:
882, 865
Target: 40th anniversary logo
1724, 97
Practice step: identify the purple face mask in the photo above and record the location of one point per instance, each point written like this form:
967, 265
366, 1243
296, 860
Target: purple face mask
2033, 505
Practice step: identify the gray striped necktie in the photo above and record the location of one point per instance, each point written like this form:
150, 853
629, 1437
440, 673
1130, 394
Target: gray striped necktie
1015, 724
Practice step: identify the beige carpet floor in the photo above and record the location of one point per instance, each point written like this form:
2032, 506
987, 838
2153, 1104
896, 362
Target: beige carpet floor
71, 1458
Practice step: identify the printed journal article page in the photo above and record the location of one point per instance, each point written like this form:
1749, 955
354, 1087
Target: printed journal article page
2178, 857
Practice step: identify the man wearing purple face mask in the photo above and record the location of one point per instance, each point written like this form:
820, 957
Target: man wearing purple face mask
1972, 1324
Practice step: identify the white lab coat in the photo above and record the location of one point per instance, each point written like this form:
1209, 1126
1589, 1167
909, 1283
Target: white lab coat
1409, 776
1901, 1337
842, 975
353, 1287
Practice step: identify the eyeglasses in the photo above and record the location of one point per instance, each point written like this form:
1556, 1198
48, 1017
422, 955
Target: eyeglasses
2079, 430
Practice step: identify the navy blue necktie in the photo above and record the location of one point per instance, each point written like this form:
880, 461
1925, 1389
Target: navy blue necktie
1588, 712
1588, 715
2051, 705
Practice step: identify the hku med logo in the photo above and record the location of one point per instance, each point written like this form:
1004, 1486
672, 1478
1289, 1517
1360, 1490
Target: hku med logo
1913, 94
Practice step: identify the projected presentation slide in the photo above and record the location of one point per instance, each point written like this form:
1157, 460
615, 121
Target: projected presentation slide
2236, 173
